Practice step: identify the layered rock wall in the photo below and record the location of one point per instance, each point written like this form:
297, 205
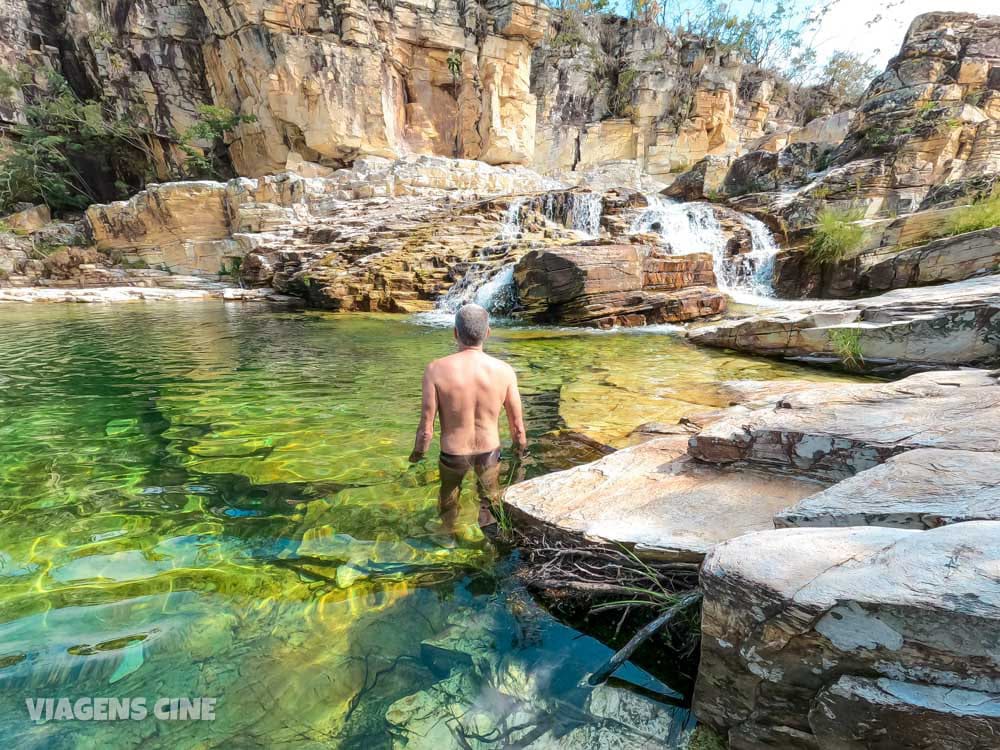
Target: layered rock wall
326, 82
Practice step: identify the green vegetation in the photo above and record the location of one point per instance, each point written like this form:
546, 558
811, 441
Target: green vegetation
455, 64
847, 74
620, 101
705, 738
983, 214
835, 235
212, 126
846, 342
69, 152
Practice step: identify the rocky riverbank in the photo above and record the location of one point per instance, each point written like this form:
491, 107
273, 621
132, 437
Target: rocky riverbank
830, 614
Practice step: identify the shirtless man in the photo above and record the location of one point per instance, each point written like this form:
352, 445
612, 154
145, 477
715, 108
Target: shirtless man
467, 391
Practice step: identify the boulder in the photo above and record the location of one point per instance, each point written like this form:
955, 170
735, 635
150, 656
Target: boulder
902, 330
920, 489
948, 259
760, 171
605, 285
834, 432
685, 507
702, 180
826, 638
27, 220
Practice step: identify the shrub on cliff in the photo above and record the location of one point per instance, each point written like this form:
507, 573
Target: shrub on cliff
68, 152
836, 234
983, 214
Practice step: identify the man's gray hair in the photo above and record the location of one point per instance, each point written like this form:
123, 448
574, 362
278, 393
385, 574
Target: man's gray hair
472, 323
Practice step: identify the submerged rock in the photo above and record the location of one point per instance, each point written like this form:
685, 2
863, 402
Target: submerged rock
906, 329
830, 637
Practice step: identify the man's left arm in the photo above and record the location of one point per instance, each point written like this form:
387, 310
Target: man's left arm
428, 411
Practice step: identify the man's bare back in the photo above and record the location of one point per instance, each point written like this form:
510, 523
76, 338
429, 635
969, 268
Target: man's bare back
466, 391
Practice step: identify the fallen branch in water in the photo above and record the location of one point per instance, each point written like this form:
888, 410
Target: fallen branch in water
625, 653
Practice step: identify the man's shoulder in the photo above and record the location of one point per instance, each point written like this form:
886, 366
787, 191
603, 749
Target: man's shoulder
500, 365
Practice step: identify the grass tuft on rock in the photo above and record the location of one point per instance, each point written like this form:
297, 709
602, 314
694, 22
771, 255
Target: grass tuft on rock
983, 214
835, 235
846, 343
705, 738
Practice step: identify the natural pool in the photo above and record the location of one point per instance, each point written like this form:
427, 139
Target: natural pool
208, 500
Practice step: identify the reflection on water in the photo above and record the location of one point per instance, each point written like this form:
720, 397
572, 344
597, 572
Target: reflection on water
209, 500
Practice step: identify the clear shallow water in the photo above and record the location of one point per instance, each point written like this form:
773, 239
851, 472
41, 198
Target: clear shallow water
209, 500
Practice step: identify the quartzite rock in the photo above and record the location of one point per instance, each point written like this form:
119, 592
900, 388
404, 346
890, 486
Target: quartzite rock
788, 614
654, 498
906, 329
919, 489
834, 432
604, 285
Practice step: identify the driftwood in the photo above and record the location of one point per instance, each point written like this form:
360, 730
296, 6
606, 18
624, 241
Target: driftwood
626, 651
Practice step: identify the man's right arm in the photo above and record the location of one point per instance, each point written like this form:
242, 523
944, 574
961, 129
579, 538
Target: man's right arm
428, 410
515, 415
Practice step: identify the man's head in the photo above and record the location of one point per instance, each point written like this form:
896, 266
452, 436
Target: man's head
472, 325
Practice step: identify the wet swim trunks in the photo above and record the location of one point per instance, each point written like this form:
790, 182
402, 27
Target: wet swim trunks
453, 469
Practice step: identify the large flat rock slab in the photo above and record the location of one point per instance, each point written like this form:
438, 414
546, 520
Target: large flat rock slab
919, 489
654, 498
787, 613
902, 330
834, 432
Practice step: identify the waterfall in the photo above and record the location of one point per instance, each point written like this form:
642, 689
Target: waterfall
495, 291
584, 213
685, 227
510, 224
694, 228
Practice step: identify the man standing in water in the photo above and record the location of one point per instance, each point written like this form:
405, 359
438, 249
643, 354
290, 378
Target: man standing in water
467, 391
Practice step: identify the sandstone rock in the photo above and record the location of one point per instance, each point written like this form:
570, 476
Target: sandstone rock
685, 507
905, 329
761, 171
703, 179
919, 489
106, 294
835, 432
27, 220
604, 285
948, 259
797, 623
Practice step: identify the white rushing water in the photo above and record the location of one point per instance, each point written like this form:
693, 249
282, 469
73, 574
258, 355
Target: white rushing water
584, 213
694, 228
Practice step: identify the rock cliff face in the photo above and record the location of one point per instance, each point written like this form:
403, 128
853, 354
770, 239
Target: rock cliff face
327, 82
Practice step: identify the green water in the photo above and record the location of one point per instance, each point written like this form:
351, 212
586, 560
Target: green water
208, 500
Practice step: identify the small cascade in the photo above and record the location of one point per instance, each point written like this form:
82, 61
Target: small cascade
685, 227
584, 213
695, 228
484, 285
749, 275
510, 224
580, 212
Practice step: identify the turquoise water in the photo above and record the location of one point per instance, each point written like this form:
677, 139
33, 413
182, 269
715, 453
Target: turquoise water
208, 500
